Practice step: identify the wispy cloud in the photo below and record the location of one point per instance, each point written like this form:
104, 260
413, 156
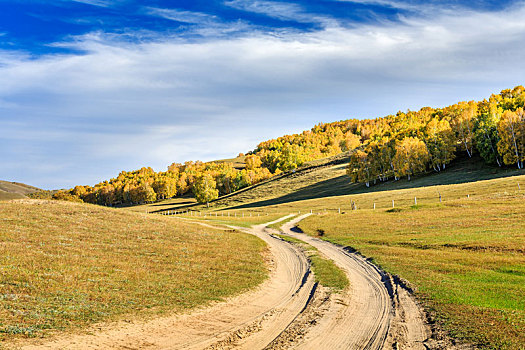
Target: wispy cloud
285, 11
128, 104
402, 5
100, 3
181, 15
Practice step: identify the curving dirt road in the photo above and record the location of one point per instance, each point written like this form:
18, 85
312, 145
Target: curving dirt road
249, 321
289, 310
374, 313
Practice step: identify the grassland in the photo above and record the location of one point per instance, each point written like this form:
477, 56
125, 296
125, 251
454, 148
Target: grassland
239, 220
65, 266
466, 256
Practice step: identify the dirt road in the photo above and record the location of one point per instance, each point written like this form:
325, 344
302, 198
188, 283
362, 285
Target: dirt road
374, 314
250, 321
289, 310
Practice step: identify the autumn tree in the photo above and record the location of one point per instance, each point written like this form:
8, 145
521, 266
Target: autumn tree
440, 143
360, 168
165, 187
486, 134
205, 189
350, 142
511, 129
253, 161
411, 156
463, 120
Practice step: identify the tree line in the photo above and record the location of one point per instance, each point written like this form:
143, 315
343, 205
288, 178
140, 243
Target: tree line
410, 143
206, 180
395, 146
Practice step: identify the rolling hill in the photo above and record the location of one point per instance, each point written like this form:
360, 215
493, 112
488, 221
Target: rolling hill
457, 237
14, 190
65, 266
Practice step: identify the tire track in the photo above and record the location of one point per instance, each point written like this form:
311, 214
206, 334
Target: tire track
372, 314
250, 321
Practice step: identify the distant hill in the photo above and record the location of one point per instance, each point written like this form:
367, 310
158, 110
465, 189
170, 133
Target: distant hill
14, 190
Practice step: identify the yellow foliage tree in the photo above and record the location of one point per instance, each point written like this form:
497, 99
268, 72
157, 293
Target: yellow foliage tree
511, 129
411, 156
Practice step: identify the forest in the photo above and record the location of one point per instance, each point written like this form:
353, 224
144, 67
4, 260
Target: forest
391, 147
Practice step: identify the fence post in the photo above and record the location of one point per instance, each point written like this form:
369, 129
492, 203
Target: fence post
374, 205
393, 204
339, 210
519, 188
415, 200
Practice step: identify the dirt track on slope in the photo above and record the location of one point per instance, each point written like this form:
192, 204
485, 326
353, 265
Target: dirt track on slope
288, 311
250, 321
375, 313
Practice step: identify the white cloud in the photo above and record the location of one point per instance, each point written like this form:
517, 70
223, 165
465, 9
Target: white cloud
100, 3
285, 11
123, 105
181, 15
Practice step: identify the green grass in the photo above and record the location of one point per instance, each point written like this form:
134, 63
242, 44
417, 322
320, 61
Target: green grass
466, 257
326, 272
235, 219
465, 253
324, 180
64, 266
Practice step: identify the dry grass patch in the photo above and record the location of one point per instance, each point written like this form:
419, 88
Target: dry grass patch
65, 266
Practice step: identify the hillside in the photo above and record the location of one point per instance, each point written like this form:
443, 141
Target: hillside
66, 265
14, 190
461, 247
404, 145
328, 178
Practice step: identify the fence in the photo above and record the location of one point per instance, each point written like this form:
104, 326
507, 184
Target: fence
354, 204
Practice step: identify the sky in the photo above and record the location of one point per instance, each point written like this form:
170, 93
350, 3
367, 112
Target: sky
92, 87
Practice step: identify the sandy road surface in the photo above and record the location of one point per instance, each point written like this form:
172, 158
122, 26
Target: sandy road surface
250, 321
288, 311
375, 313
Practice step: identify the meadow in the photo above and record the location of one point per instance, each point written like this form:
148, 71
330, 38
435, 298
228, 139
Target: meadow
464, 256
64, 266
326, 272
460, 244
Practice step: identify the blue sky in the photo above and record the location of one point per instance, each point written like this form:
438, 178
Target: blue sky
92, 87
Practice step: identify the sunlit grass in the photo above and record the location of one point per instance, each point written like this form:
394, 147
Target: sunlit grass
465, 253
466, 257
65, 266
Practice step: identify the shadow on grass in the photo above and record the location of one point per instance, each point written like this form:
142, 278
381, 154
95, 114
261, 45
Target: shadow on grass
461, 170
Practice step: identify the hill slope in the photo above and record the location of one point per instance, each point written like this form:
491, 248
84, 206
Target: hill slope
14, 190
66, 265
327, 178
